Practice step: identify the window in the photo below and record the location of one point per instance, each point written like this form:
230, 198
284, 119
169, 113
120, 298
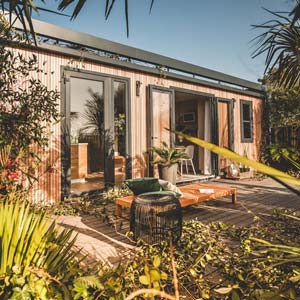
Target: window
246, 121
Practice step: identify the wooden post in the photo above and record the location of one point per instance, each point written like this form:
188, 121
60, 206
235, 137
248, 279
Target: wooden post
234, 197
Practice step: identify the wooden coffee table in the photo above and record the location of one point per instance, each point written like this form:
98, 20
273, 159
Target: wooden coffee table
191, 195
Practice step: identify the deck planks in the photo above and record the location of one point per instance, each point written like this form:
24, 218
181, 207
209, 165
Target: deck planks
255, 198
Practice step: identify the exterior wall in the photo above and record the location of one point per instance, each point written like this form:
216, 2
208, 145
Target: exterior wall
51, 182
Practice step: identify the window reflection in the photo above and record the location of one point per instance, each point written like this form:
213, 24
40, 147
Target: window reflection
87, 134
120, 130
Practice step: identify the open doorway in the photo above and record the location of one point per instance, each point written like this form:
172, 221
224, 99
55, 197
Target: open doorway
192, 116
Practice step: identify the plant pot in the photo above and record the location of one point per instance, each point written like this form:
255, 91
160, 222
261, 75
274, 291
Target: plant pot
168, 173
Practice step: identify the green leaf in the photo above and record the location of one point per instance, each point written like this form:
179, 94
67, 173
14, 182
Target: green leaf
235, 295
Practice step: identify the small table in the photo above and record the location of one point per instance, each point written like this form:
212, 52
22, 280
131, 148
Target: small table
191, 195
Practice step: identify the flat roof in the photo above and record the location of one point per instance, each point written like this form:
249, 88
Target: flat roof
48, 30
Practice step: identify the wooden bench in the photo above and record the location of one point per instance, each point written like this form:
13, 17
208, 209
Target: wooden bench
191, 195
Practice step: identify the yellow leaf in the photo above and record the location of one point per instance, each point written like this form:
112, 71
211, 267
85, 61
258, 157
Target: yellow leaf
163, 276
155, 275
223, 290
156, 261
144, 280
242, 159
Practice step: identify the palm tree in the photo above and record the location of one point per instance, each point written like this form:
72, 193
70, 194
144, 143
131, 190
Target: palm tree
295, 13
22, 10
280, 42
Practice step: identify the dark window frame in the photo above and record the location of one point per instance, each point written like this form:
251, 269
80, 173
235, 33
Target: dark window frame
242, 121
108, 79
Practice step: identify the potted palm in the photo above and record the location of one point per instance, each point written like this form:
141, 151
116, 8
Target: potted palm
167, 159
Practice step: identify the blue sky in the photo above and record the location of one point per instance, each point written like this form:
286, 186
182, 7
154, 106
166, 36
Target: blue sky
211, 33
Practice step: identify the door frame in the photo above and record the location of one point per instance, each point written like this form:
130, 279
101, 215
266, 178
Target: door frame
230, 102
214, 123
107, 79
150, 130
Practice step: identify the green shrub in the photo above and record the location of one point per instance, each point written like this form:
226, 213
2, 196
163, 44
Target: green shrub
36, 256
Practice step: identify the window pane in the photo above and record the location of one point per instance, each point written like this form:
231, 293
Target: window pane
247, 130
86, 132
246, 112
120, 131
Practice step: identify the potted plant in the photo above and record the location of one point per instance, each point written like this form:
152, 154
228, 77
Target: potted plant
167, 159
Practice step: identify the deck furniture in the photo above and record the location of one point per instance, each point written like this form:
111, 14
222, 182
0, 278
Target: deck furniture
189, 151
191, 195
156, 217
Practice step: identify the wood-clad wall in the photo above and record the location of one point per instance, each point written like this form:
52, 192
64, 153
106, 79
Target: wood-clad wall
51, 182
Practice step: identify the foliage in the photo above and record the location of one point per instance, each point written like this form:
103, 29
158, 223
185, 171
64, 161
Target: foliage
281, 122
213, 261
10, 170
23, 11
167, 156
36, 256
280, 43
27, 107
283, 105
287, 156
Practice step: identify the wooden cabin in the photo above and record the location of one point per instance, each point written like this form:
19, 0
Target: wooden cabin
117, 101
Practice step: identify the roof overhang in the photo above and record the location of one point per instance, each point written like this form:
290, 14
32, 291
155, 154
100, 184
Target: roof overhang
48, 30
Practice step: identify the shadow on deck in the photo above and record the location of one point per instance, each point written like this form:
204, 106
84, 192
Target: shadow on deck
254, 198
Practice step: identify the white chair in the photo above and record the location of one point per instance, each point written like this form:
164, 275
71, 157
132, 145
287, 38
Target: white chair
189, 150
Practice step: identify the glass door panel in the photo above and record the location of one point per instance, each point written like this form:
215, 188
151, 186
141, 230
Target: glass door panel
224, 126
161, 118
120, 155
86, 134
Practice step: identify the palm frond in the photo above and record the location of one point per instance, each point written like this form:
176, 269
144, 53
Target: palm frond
22, 11
295, 13
280, 43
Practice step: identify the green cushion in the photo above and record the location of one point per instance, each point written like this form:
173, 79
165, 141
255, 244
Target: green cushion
143, 185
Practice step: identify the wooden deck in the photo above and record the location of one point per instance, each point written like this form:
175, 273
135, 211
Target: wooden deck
255, 198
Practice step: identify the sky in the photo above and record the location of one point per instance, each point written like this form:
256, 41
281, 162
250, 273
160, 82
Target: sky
215, 34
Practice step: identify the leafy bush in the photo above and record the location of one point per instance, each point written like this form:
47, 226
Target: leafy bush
36, 256
27, 106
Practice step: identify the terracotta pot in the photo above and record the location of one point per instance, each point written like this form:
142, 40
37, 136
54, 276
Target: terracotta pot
168, 173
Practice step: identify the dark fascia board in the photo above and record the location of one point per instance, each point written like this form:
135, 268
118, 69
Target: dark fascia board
86, 40
85, 55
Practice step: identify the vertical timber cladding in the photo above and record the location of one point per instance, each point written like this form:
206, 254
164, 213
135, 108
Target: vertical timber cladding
51, 186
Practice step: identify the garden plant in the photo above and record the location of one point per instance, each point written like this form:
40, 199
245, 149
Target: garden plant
38, 259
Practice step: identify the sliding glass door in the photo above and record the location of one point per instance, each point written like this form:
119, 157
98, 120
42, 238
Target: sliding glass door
96, 149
